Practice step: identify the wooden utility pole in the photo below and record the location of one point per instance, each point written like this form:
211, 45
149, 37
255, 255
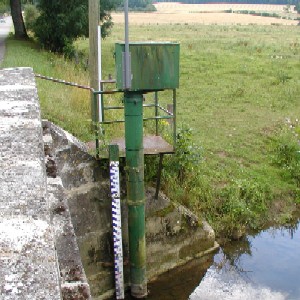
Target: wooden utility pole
94, 43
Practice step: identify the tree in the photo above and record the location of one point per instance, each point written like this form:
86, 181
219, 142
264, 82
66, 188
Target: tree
61, 22
16, 13
31, 13
3, 6
297, 7
139, 3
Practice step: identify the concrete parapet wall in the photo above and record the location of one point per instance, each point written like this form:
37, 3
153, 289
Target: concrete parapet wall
28, 262
39, 256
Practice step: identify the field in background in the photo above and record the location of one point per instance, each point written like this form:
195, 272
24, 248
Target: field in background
239, 86
172, 7
173, 12
235, 81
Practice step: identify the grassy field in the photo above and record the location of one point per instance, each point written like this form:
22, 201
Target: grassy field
66, 106
240, 94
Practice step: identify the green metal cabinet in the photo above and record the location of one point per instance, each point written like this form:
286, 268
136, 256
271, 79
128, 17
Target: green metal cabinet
154, 65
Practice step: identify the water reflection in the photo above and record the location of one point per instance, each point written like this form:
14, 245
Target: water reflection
229, 286
263, 266
179, 283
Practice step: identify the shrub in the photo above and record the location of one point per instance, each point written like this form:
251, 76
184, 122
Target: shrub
187, 155
150, 7
3, 8
61, 22
31, 14
287, 151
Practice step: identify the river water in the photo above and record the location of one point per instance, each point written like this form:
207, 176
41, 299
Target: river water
262, 266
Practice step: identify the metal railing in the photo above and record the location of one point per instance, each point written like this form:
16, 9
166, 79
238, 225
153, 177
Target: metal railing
98, 105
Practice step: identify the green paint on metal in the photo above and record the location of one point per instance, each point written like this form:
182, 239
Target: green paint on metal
113, 152
137, 248
154, 65
133, 103
135, 157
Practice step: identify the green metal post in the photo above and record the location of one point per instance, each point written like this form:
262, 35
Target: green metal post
133, 103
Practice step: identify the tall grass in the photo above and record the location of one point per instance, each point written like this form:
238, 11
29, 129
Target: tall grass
238, 85
66, 106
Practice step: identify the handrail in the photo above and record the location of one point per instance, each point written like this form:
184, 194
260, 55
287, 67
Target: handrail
167, 114
110, 92
145, 119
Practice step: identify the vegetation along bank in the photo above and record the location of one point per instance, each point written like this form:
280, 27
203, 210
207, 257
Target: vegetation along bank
238, 162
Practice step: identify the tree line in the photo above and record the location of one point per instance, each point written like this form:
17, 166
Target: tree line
281, 2
55, 23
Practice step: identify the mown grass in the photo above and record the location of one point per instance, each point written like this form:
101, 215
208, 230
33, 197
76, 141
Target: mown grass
66, 106
238, 86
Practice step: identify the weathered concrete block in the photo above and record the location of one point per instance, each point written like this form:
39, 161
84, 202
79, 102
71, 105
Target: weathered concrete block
28, 264
90, 209
175, 229
71, 291
72, 276
48, 142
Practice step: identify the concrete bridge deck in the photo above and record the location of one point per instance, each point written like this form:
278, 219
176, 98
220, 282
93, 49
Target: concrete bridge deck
39, 255
28, 262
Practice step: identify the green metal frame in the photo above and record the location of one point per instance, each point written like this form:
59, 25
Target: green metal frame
158, 108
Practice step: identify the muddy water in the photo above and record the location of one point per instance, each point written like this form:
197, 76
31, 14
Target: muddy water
264, 266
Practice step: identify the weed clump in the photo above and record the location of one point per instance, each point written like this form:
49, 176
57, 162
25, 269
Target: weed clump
287, 150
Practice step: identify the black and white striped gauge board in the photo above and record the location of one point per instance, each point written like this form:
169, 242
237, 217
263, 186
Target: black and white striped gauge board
117, 228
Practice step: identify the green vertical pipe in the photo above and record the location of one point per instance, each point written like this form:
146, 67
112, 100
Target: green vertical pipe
133, 103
